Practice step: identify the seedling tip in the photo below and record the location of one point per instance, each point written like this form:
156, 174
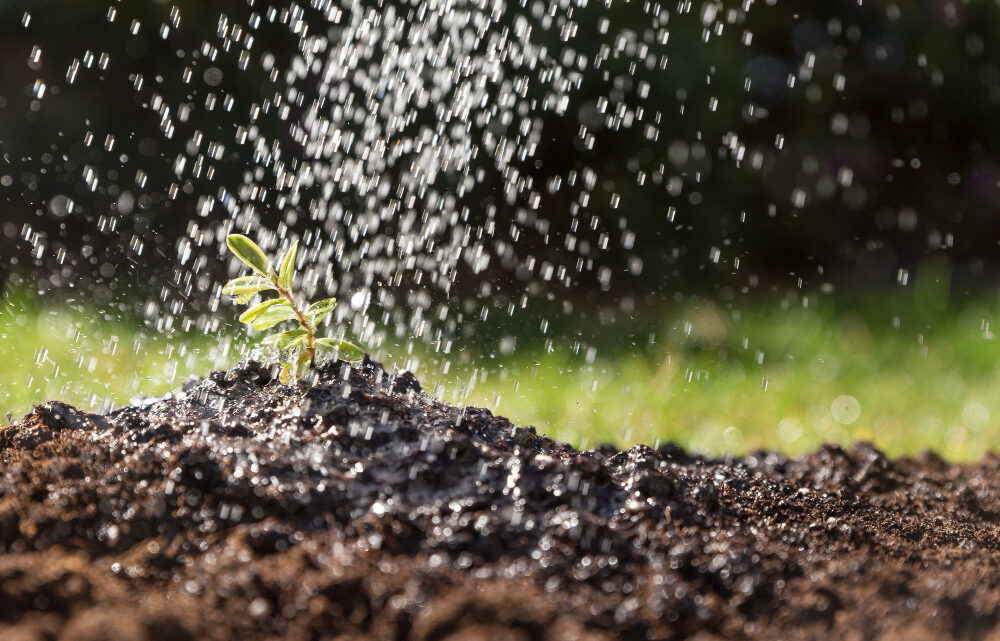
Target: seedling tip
298, 347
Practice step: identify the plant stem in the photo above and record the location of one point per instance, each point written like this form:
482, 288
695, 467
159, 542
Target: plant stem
303, 321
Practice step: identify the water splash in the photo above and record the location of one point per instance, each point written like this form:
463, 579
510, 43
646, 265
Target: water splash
408, 146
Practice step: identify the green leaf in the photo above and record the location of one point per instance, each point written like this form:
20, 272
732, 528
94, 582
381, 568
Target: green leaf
244, 287
284, 339
291, 372
256, 311
248, 251
290, 339
305, 360
275, 314
286, 268
293, 343
346, 350
318, 310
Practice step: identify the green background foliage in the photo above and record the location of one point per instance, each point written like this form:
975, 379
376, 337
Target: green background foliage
924, 374
867, 237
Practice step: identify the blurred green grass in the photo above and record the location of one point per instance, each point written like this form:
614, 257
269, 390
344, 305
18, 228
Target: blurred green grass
908, 371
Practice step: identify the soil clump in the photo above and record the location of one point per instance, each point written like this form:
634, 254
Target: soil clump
354, 506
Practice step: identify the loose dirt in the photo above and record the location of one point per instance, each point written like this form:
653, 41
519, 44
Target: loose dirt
356, 507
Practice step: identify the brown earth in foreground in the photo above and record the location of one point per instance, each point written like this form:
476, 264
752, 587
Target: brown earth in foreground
360, 508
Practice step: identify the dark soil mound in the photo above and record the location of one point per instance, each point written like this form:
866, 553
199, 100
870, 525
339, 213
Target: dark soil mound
361, 508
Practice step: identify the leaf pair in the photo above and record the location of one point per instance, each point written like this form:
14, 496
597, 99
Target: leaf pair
286, 340
291, 369
268, 314
251, 254
343, 349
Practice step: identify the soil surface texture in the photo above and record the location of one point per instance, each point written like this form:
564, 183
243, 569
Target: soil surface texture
354, 506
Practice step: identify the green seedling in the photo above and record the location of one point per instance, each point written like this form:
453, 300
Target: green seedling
299, 347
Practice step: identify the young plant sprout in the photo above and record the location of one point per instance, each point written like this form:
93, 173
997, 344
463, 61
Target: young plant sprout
300, 346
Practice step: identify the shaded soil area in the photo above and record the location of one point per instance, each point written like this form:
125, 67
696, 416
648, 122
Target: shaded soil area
356, 507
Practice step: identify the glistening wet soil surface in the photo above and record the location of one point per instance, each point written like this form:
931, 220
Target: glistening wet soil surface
357, 507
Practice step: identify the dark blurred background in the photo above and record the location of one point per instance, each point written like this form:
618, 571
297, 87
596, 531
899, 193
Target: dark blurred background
880, 154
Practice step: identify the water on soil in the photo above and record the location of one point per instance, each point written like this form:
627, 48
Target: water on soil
355, 506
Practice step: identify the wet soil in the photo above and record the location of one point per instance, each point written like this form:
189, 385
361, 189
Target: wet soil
356, 507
